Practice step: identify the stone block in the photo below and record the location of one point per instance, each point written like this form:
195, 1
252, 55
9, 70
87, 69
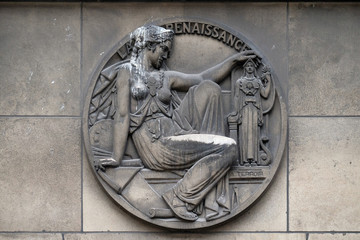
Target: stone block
40, 60
187, 236
268, 213
101, 213
40, 174
263, 24
324, 178
30, 236
106, 24
333, 236
324, 56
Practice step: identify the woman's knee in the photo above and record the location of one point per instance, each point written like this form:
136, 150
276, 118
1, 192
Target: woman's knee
210, 88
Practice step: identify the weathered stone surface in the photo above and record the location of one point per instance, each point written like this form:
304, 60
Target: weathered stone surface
40, 60
101, 213
40, 174
186, 54
324, 174
264, 24
324, 57
106, 24
30, 236
338, 236
191, 56
189, 236
271, 208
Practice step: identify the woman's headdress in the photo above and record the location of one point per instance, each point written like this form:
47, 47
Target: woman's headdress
150, 33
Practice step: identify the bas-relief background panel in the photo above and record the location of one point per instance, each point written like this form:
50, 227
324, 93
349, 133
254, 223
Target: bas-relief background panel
325, 85
99, 22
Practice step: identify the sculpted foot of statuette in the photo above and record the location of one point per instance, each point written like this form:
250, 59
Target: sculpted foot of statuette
178, 206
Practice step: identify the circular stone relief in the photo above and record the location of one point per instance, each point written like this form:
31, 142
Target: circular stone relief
184, 123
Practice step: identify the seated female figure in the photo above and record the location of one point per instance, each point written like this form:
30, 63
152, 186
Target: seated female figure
173, 134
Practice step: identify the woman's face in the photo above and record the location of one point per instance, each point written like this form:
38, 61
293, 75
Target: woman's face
159, 54
249, 67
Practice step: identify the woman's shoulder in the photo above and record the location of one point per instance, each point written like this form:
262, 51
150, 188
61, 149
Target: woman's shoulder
112, 71
125, 66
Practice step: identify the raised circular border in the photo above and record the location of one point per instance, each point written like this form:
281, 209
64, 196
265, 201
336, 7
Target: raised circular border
186, 225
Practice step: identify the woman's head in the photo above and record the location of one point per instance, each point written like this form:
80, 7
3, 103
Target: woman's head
151, 37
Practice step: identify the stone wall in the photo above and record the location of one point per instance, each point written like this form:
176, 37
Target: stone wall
48, 51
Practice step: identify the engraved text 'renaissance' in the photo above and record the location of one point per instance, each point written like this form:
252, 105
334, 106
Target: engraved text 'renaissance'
207, 30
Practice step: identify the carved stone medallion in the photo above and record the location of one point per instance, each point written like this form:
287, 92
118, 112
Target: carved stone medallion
184, 123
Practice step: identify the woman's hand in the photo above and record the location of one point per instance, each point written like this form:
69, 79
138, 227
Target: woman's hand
245, 55
105, 162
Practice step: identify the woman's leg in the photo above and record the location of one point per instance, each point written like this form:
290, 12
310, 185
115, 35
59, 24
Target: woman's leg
203, 176
202, 109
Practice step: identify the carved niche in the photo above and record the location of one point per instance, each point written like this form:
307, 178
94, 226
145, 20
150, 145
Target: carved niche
184, 123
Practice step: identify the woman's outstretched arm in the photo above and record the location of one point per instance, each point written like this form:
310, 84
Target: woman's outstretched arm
182, 81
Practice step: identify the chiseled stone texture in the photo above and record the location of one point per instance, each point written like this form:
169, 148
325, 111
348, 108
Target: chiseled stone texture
40, 59
40, 174
324, 56
264, 24
189, 236
333, 236
270, 208
324, 174
101, 213
30, 236
106, 24
108, 216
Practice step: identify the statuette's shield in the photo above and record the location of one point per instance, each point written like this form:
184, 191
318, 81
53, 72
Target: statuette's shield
184, 146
